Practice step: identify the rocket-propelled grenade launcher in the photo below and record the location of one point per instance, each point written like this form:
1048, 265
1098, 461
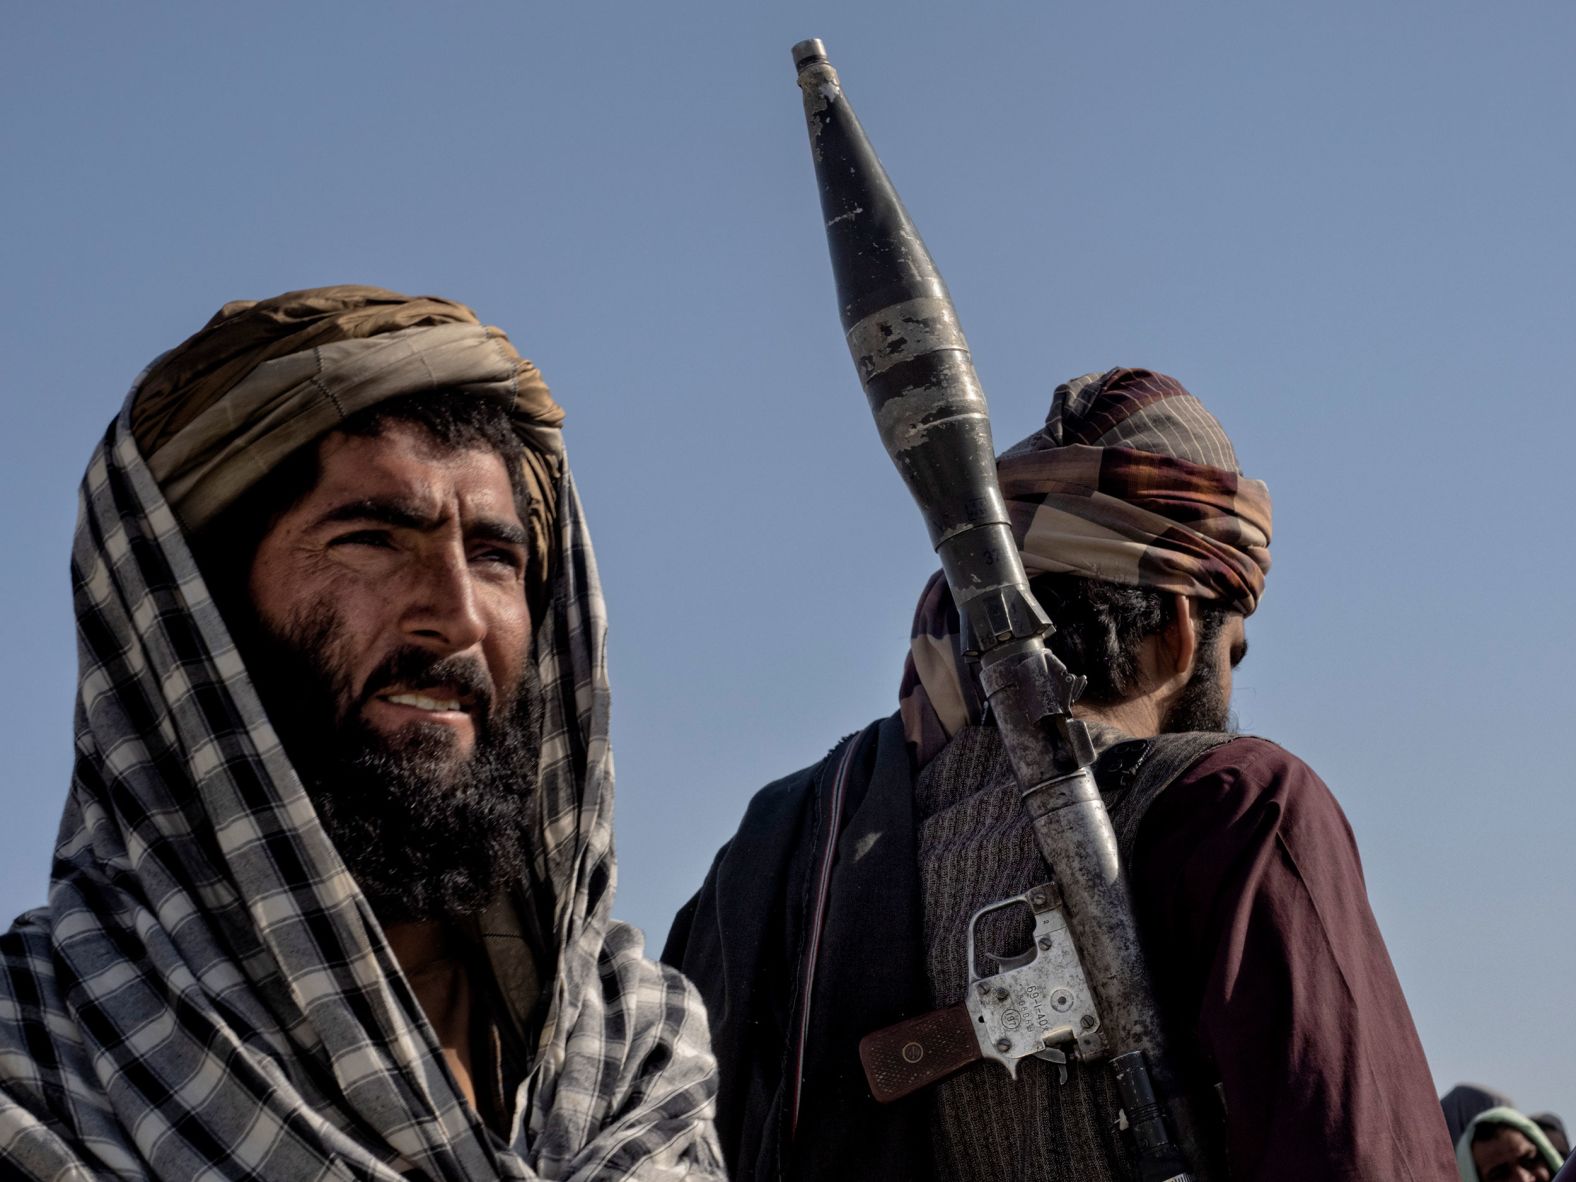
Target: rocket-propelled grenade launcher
1084, 989
914, 365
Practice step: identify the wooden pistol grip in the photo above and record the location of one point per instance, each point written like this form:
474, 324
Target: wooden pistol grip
914, 1053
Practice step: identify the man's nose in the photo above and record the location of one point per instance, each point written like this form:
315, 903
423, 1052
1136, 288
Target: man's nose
443, 612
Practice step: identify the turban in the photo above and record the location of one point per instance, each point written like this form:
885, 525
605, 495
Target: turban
264, 377
1130, 481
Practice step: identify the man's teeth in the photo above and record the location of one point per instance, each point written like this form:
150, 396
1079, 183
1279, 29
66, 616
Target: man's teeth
423, 702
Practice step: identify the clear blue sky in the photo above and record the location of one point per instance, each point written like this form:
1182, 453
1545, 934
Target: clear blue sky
1347, 227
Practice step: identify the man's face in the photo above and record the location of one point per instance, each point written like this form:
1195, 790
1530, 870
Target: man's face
390, 642
414, 550
1509, 1157
1205, 702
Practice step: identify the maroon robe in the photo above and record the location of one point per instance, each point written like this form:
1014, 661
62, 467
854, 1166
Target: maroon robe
1251, 893
1247, 879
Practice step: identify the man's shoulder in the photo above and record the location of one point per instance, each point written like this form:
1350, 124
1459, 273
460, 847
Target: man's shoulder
788, 795
1252, 760
639, 982
1247, 774
756, 865
28, 1000
25, 950
1253, 755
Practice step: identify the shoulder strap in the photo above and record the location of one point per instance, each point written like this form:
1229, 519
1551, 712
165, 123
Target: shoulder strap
837, 765
1132, 774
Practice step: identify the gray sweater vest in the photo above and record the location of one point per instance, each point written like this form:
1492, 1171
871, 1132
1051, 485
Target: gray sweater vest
976, 847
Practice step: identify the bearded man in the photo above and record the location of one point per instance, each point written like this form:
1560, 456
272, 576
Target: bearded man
842, 905
331, 896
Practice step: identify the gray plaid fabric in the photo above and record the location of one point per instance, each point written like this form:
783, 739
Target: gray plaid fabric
207, 995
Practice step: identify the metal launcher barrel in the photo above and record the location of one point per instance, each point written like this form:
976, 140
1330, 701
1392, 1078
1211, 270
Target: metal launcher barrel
914, 365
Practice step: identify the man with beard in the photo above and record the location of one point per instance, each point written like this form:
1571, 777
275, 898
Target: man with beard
842, 905
331, 897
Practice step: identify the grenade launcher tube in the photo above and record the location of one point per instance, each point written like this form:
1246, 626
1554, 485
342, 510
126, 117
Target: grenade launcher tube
917, 373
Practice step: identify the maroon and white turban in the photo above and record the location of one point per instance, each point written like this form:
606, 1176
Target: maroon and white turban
1130, 481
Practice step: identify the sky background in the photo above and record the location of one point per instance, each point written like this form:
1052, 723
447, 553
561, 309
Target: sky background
1347, 227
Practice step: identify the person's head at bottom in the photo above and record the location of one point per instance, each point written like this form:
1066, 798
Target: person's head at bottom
1505, 1154
1502, 1145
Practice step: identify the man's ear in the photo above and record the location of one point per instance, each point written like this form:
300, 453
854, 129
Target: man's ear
1179, 639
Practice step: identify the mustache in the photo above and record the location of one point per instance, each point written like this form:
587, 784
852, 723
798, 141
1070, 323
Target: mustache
418, 669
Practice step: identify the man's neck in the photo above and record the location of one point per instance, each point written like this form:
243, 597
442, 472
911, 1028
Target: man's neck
437, 975
1138, 717
417, 944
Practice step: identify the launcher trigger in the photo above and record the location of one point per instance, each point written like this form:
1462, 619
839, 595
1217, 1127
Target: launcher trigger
1052, 1055
1005, 964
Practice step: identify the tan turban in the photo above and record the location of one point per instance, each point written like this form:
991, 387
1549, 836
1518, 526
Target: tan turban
265, 377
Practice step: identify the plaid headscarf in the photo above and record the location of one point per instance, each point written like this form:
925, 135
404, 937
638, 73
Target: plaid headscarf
207, 993
1130, 481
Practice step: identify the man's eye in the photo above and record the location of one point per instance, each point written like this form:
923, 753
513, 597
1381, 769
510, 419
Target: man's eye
501, 556
364, 537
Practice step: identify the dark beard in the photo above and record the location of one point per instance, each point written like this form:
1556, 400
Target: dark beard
426, 834
1202, 705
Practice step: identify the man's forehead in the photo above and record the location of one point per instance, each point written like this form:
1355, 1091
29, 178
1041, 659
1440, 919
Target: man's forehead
403, 461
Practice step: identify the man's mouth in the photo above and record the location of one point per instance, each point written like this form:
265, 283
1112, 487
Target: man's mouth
409, 689
432, 699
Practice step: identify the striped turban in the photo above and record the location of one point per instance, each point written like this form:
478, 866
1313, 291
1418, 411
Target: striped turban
1130, 481
219, 412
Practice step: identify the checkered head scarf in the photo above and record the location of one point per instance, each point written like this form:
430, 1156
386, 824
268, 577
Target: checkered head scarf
1130, 481
207, 993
